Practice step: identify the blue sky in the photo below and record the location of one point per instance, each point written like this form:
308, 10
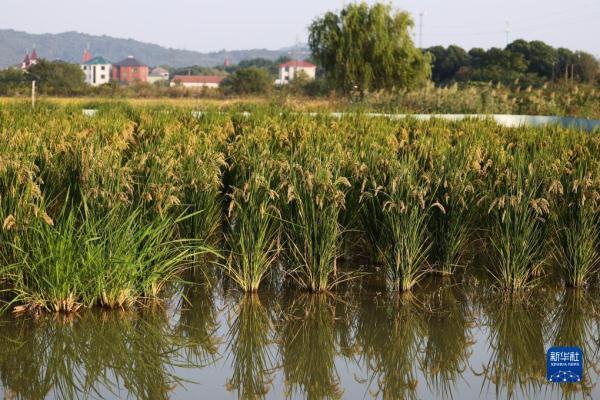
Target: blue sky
206, 25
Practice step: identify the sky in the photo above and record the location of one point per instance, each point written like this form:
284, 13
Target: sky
208, 25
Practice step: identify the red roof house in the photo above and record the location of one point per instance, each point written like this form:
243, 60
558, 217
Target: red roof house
289, 70
29, 60
130, 70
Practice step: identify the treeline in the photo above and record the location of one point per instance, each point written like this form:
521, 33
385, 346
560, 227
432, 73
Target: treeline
52, 77
521, 64
271, 66
526, 63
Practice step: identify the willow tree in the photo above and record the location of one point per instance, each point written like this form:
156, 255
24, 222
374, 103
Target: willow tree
367, 48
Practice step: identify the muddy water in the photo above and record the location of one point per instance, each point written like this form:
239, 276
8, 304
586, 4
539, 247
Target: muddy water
449, 340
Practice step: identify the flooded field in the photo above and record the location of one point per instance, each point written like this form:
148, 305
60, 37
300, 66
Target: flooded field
102, 217
446, 340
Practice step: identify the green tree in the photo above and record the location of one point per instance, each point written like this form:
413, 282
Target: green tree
12, 80
541, 58
368, 48
497, 65
251, 80
269, 65
57, 77
447, 62
566, 58
587, 68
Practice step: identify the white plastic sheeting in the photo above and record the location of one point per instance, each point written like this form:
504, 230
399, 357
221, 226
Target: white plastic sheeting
508, 120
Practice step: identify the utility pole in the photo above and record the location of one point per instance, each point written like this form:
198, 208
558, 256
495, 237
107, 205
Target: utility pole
32, 94
507, 31
421, 16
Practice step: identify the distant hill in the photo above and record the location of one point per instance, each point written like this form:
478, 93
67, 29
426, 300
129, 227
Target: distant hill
69, 46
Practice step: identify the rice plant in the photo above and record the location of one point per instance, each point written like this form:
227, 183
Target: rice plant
115, 260
576, 236
395, 222
315, 198
517, 235
253, 232
452, 217
120, 202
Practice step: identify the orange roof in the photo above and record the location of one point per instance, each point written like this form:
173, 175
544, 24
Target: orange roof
87, 56
198, 78
298, 63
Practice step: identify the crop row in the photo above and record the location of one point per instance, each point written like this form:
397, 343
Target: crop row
109, 210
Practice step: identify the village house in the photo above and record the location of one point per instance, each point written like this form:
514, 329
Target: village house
158, 74
197, 81
29, 60
129, 71
96, 70
289, 70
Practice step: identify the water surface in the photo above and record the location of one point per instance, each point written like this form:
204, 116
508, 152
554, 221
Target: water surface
448, 340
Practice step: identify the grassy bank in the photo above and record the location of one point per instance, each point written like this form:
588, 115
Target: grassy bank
473, 98
109, 210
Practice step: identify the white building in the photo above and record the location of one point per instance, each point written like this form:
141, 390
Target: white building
97, 71
197, 81
289, 70
158, 74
